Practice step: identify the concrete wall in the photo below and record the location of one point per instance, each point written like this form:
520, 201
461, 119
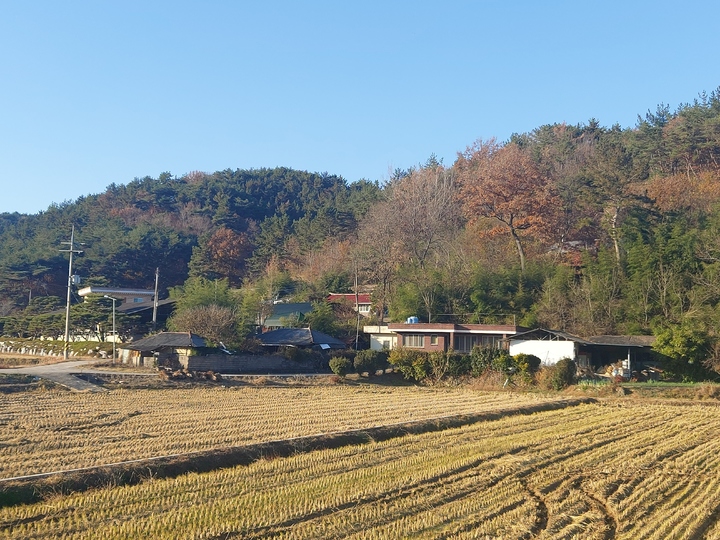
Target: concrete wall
549, 352
224, 363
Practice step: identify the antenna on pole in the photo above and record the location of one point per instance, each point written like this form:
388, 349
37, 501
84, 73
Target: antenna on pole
71, 280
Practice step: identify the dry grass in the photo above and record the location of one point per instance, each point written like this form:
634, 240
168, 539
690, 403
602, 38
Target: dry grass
52, 431
623, 469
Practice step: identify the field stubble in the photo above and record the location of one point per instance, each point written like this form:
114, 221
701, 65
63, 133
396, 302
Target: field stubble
619, 469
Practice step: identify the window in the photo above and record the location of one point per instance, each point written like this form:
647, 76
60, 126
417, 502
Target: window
433, 340
386, 344
466, 342
413, 340
364, 308
138, 300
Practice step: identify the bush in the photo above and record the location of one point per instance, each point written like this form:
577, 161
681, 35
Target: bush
458, 364
370, 361
527, 363
411, 363
563, 374
502, 362
340, 365
484, 358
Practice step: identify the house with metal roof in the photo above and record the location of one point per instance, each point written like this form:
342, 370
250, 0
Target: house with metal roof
552, 346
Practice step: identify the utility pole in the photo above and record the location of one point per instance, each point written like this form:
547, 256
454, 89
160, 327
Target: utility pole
357, 309
155, 298
71, 280
113, 325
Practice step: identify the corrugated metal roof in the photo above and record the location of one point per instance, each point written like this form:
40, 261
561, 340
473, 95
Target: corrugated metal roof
618, 341
624, 341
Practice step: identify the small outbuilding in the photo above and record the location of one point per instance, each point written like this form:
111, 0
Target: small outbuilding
631, 353
162, 347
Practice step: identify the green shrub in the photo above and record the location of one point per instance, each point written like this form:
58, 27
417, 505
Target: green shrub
411, 363
502, 362
340, 365
370, 361
484, 358
563, 374
458, 364
527, 363
291, 353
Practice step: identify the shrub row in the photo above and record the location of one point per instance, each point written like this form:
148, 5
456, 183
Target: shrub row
364, 362
437, 365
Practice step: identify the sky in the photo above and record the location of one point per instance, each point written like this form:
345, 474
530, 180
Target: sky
97, 92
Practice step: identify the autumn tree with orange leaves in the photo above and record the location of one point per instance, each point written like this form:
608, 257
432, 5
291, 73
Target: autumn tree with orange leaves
503, 183
222, 255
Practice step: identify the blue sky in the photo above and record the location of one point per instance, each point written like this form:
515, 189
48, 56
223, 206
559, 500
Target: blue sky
100, 92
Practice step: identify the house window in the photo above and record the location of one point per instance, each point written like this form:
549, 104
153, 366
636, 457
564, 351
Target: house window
413, 340
433, 339
364, 308
386, 344
138, 300
466, 342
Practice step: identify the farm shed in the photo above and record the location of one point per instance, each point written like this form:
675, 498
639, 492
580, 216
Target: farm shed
165, 346
633, 352
550, 346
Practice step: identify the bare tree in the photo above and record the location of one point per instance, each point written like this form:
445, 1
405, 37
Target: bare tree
216, 323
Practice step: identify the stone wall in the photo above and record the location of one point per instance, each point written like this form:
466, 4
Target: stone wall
245, 363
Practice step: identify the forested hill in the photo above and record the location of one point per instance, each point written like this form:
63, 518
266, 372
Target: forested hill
220, 224
584, 228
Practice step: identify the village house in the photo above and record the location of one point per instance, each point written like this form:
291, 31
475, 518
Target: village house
161, 348
361, 302
440, 336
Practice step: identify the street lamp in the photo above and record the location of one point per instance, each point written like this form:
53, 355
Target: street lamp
113, 330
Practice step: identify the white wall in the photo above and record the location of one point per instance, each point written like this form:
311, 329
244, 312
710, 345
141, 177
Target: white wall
549, 352
378, 342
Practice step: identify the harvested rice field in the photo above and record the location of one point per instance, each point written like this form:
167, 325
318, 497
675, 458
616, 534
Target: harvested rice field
56, 431
630, 469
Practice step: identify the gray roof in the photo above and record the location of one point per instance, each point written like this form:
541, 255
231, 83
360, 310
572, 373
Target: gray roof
624, 341
165, 340
299, 337
556, 335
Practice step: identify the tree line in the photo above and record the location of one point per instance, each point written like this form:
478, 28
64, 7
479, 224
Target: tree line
583, 228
